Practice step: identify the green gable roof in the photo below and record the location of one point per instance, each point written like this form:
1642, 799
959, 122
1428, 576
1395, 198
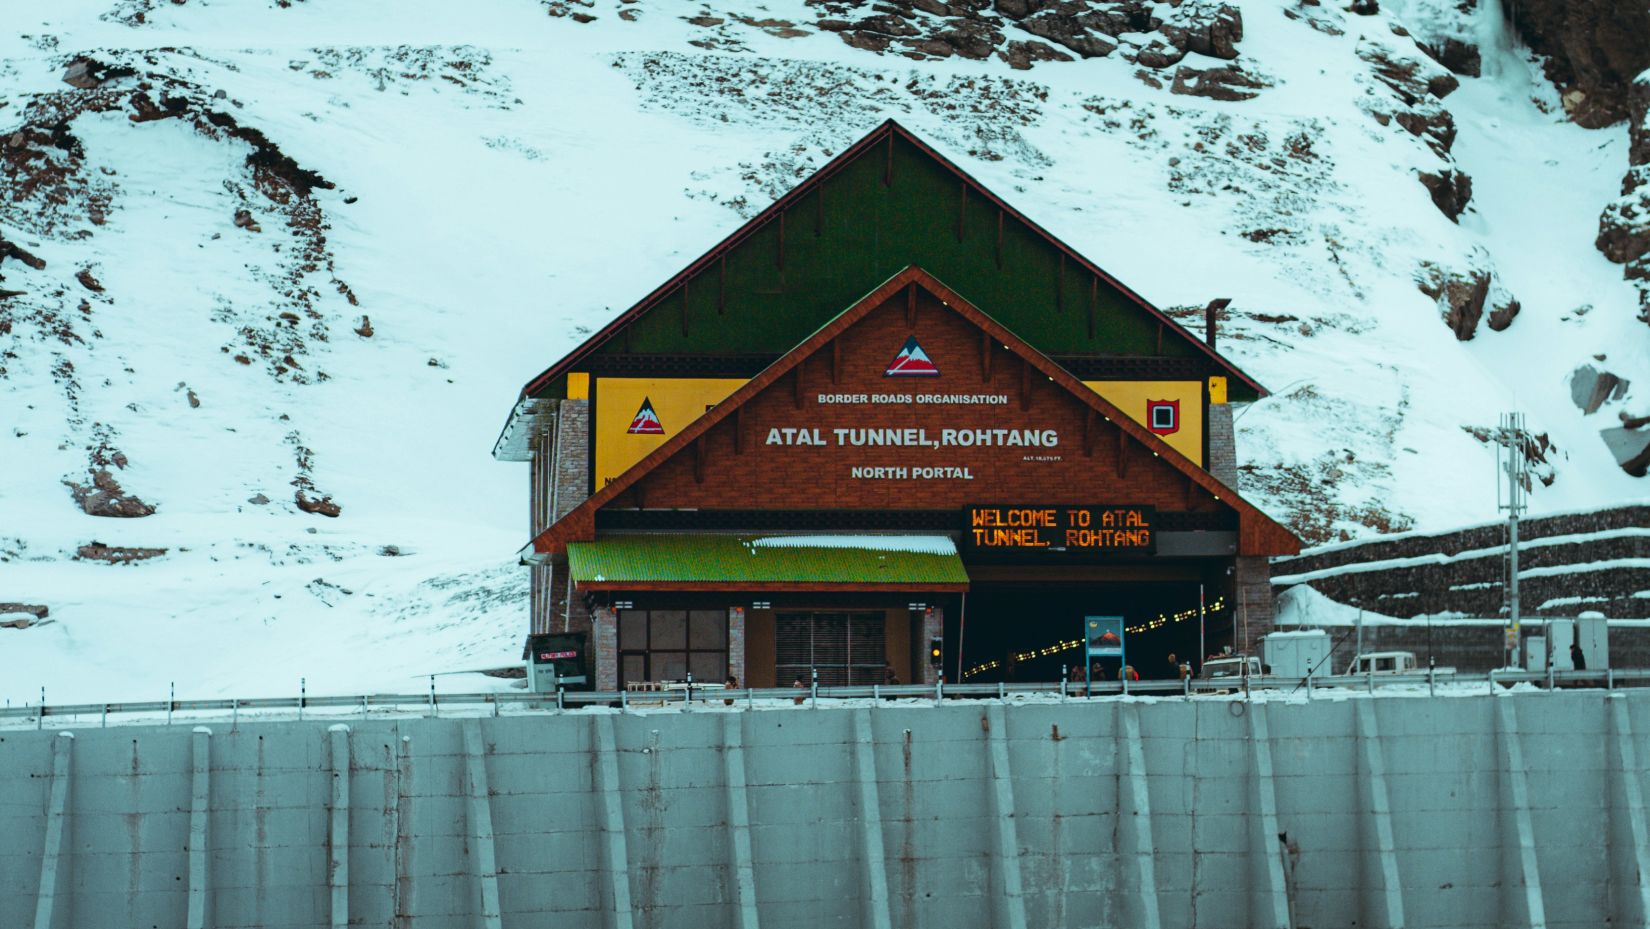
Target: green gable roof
678, 561
887, 202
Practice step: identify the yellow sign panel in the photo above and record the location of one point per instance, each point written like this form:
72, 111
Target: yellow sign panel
1217, 390
635, 415
1173, 410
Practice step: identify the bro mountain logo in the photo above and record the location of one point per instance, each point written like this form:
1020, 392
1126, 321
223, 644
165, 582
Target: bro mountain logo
911, 361
646, 421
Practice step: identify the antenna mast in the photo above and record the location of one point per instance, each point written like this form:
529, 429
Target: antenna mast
1512, 478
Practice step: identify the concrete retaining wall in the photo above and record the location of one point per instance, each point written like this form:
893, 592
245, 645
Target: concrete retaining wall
1448, 812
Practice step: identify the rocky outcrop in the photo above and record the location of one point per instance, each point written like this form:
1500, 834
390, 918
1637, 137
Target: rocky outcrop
1590, 388
1593, 50
1464, 297
1152, 33
105, 497
1450, 191
115, 554
1624, 226
322, 506
1216, 83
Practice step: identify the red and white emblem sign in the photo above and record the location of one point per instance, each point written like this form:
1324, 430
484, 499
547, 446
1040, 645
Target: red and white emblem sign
646, 421
911, 361
1163, 416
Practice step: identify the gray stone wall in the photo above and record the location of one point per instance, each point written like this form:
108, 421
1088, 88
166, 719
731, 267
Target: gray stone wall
1602, 568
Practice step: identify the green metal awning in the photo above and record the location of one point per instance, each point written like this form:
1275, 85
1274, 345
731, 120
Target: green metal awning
706, 562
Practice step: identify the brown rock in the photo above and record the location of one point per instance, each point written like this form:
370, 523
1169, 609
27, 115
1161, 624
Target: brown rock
87, 281
81, 73
1073, 33
1159, 55
1216, 83
1450, 190
1429, 121
971, 39
38, 611
1456, 55
257, 500
105, 497
97, 551
244, 220
194, 399
1216, 36
1593, 47
324, 506
868, 41
1502, 315
364, 330
13, 250
1460, 297
1021, 55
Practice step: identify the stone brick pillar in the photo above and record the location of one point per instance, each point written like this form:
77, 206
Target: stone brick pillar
933, 627
1253, 605
605, 647
1222, 453
736, 644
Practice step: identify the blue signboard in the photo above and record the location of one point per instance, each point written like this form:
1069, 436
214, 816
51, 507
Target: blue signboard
1102, 638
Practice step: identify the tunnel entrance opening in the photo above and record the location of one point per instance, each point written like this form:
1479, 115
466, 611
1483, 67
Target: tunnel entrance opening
1032, 632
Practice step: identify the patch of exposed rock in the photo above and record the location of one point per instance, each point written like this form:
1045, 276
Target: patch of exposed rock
1229, 83
1414, 90
1593, 50
1624, 226
1590, 388
22, 615
1152, 33
103, 496
115, 554
1450, 191
1464, 297
323, 506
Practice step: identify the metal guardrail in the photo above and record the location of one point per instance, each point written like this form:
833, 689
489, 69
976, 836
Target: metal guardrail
433, 703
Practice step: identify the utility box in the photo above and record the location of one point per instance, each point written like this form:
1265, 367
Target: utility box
1592, 633
1297, 654
1535, 653
1590, 630
556, 661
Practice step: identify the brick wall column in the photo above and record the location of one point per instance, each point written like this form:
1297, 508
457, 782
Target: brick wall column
605, 647
571, 479
1253, 604
1222, 454
933, 627
736, 644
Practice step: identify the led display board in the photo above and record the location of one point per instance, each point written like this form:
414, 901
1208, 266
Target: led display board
1031, 530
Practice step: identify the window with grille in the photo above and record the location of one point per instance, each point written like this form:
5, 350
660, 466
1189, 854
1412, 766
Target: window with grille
845, 648
666, 645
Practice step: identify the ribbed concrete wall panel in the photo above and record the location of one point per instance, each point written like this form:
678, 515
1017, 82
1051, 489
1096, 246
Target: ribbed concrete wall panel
965, 814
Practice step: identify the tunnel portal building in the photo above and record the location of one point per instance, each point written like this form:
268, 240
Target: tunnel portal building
889, 416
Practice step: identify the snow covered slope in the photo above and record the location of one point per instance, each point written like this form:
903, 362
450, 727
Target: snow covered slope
264, 254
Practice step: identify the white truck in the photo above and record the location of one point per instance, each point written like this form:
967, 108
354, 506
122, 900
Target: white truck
1238, 666
1390, 663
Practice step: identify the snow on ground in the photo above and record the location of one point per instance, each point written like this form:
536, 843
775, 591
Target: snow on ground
504, 181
